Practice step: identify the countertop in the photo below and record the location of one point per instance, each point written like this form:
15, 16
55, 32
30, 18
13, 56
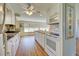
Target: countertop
11, 34
48, 33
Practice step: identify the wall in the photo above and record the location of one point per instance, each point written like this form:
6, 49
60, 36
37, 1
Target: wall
69, 45
77, 20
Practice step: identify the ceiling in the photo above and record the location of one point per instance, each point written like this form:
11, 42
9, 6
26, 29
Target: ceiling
43, 7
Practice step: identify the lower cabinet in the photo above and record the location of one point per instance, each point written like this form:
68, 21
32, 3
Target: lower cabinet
12, 45
50, 43
40, 38
2, 49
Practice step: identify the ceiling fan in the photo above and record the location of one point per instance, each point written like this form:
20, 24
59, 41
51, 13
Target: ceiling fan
30, 9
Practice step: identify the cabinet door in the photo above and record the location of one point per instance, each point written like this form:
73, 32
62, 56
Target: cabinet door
13, 49
9, 46
16, 42
40, 39
1, 46
43, 40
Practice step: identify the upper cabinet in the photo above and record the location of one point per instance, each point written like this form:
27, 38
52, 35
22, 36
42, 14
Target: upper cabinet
1, 14
53, 19
53, 14
9, 15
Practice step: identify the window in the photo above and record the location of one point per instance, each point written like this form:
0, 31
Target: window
44, 29
30, 29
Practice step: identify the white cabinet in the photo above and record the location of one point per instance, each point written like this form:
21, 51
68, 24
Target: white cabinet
8, 48
2, 51
50, 43
40, 37
12, 45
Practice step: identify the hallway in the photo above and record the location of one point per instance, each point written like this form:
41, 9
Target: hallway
29, 47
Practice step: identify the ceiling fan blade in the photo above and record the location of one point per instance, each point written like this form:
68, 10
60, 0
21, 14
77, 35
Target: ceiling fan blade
29, 5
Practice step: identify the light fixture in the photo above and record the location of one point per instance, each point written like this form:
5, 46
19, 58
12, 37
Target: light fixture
29, 12
30, 9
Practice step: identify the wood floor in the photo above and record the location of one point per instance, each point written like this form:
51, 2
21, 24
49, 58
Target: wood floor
77, 47
29, 47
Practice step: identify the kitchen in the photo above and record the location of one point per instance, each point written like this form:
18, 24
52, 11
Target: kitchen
47, 25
